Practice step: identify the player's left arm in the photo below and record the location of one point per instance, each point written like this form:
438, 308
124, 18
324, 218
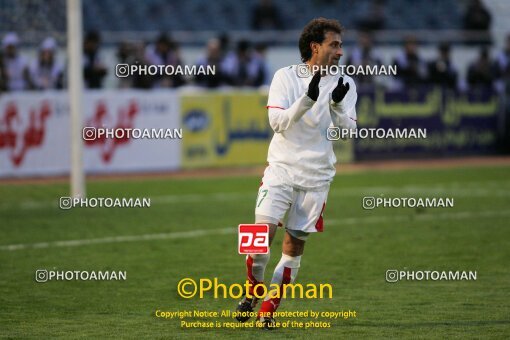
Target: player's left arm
342, 104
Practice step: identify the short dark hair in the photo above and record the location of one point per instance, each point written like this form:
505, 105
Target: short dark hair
315, 31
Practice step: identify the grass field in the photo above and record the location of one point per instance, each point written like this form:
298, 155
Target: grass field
353, 254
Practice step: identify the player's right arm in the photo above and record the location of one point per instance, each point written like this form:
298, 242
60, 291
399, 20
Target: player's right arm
282, 114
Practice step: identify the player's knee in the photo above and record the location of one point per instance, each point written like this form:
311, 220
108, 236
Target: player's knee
292, 245
271, 222
297, 236
293, 249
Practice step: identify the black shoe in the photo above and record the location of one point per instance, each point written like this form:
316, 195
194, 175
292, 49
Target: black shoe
268, 323
244, 309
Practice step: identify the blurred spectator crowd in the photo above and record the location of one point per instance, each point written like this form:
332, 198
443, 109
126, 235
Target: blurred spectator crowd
18, 73
414, 70
244, 64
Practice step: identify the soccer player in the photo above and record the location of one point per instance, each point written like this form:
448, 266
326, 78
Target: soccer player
301, 107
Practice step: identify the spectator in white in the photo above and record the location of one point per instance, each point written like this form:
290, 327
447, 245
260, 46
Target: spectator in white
15, 65
46, 72
242, 68
164, 52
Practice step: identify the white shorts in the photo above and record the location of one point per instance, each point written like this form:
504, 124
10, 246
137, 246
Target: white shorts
304, 209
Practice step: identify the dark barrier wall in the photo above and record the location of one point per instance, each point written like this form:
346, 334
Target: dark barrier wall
231, 128
455, 123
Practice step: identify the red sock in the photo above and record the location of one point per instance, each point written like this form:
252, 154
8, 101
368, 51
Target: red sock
255, 267
284, 273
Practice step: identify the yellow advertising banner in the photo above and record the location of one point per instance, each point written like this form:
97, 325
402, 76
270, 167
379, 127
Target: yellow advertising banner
222, 129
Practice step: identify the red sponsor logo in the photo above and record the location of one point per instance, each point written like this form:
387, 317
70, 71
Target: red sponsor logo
125, 120
17, 141
253, 239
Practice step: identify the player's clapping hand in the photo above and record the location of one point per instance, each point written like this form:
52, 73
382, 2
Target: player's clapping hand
340, 90
313, 87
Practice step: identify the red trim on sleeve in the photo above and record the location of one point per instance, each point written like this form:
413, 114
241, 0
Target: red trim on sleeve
275, 107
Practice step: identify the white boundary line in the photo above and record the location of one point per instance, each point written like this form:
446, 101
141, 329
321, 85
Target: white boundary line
478, 189
119, 239
232, 230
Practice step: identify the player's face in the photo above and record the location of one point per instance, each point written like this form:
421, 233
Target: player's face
330, 51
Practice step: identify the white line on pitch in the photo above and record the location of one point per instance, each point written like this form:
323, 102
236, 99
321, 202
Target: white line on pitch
498, 190
425, 217
232, 230
119, 239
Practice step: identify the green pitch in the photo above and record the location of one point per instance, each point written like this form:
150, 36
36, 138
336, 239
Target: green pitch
352, 255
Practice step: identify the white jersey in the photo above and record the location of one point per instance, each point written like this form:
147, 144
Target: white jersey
15, 69
300, 152
46, 77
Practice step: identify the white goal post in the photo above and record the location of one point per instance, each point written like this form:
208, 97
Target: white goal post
75, 90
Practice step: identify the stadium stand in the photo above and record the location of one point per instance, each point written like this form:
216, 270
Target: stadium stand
199, 15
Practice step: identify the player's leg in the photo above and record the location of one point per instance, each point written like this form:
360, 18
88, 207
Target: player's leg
256, 263
285, 273
294, 242
305, 217
273, 201
255, 269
